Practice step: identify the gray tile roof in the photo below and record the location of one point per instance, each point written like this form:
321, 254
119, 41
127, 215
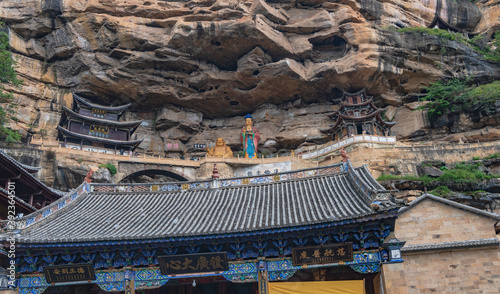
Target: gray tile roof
106, 216
452, 245
367, 177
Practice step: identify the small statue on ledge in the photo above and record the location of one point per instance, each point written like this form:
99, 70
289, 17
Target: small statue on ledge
249, 138
220, 149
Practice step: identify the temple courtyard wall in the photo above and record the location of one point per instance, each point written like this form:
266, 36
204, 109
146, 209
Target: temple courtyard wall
448, 249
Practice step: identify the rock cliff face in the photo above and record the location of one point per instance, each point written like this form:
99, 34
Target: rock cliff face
192, 69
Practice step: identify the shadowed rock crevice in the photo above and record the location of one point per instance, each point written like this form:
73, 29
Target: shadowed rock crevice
327, 48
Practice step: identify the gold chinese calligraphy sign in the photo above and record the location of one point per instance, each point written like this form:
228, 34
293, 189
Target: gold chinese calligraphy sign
99, 129
193, 263
69, 273
331, 253
99, 111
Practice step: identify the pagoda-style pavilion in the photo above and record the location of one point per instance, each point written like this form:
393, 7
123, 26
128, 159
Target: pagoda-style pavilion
19, 188
97, 125
357, 115
327, 226
439, 23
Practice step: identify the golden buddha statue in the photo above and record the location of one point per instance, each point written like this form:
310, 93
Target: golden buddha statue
220, 149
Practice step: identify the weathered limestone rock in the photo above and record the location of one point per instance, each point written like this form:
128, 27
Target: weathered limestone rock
102, 175
409, 122
174, 116
197, 67
430, 171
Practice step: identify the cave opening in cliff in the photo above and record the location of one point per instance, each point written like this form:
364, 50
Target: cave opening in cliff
326, 48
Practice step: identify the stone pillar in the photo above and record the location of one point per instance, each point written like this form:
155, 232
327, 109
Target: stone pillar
262, 277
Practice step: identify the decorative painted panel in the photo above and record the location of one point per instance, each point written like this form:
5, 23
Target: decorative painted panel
111, 281
149, 278
263, 169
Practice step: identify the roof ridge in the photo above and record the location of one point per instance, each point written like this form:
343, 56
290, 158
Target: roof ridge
451, 245
91, 118
90, 104
238, 178
448, 202
219, 188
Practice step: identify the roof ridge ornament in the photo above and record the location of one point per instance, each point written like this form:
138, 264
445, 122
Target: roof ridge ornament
215, 177
88, 178
215, 172
344, 155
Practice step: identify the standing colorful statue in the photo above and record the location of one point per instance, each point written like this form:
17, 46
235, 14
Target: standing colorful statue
249, 138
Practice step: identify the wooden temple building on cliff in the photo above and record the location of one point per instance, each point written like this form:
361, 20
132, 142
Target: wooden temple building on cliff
97, 125
357, 115
327, 227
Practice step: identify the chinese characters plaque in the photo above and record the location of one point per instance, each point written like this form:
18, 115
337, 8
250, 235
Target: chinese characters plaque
193, 263
322, 254
69, 273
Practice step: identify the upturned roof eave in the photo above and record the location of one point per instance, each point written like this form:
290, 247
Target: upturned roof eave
133, 124
25, 175
98, 106
103, 140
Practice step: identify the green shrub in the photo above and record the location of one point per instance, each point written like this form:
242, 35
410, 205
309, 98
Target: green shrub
43, 133
111, 167
442, 191
477, 194
492, 156
10, 135
443, 34
476, 158
455, 95
490, 53
8, 75
424, 179
462, 173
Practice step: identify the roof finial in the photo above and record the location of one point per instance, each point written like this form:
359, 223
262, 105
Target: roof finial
215, 172
344, 155
88, 178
